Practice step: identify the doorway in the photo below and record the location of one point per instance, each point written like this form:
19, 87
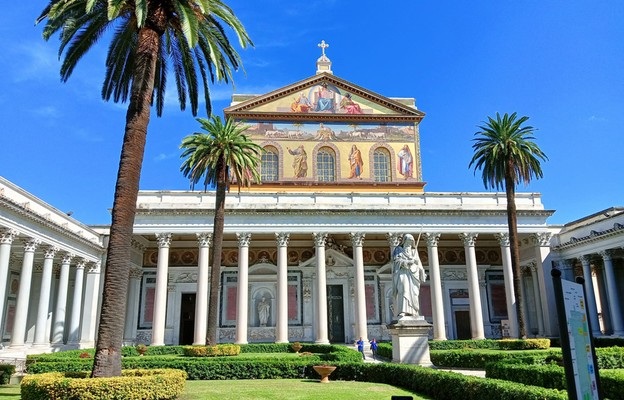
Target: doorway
335, 314
462, 325
187, 318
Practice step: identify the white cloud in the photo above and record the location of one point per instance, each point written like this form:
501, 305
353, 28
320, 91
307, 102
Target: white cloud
595, 118
36, 61
162, 156
50, 112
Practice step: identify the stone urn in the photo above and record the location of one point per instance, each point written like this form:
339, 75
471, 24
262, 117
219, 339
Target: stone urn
324, 371
296, 347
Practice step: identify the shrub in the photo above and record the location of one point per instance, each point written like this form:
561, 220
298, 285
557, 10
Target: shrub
6, 370
384, 350
212, 351
479, 358
610, 357
553, 376
484, 344
612, 383
133, 384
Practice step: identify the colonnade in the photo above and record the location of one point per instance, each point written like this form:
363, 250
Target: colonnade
82, 320
601, 290
320, 297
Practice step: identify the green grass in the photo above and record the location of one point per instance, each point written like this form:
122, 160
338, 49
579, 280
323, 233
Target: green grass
10, 392
290, 389
272, 389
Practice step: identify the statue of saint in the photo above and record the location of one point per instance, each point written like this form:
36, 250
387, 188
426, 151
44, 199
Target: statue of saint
407, 275
264, 308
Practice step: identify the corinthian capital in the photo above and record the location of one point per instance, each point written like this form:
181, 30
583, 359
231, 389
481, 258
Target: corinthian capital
319, 239
469, 239
432, 239
204, 239
164, 239
282, 238
243, 239
357, 238
30, 245
394, 239
8, 235
503, 238
542, 238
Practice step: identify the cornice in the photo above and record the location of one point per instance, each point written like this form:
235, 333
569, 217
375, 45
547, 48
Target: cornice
406, 113
347, 212
39, 219
594, 236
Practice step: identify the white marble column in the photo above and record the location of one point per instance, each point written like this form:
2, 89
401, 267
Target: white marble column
321, 289
44, 297
592, 309
201, 305
132, 307
476, 312
510, 294
73, 336
242, 298
281, 329
7, 236
58, 329
160, 295
90, 305
357, 239
23, 296
614, 303
435, 279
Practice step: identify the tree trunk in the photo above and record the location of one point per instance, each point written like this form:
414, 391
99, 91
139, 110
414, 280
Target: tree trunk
512, 222
107, 360
217, 246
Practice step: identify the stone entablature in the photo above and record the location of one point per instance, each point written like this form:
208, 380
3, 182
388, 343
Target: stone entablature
188, 202
32, 216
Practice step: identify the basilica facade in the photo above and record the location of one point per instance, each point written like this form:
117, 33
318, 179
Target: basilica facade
307, 251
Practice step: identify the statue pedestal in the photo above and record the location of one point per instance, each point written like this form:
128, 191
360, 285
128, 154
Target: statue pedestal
410, 341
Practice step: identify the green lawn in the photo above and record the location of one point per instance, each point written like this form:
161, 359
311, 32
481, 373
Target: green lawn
271, 389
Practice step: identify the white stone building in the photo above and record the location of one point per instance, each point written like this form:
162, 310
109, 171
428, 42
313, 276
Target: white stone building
341, 181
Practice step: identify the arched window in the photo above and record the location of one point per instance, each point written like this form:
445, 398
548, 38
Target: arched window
326, 165
269, 164
381, 165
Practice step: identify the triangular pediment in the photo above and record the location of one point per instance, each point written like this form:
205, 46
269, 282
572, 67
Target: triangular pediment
324, 97
333, 259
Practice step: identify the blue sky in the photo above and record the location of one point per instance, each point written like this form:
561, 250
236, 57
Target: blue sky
559, 62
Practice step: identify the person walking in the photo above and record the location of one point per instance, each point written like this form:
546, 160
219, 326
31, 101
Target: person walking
373, 347
360, 346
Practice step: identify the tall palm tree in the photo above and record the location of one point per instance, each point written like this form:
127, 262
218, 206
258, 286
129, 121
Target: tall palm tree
222, 156
146, 36
505, 152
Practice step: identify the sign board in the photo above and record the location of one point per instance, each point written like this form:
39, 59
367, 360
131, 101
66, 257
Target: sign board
580, 342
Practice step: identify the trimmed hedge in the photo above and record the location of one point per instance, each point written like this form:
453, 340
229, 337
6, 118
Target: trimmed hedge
384, 350
491, 344
6, 370
133, 384
479, 358
553, 376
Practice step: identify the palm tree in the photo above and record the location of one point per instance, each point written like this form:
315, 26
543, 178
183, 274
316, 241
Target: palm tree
222, 156
146, 37
505, 152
